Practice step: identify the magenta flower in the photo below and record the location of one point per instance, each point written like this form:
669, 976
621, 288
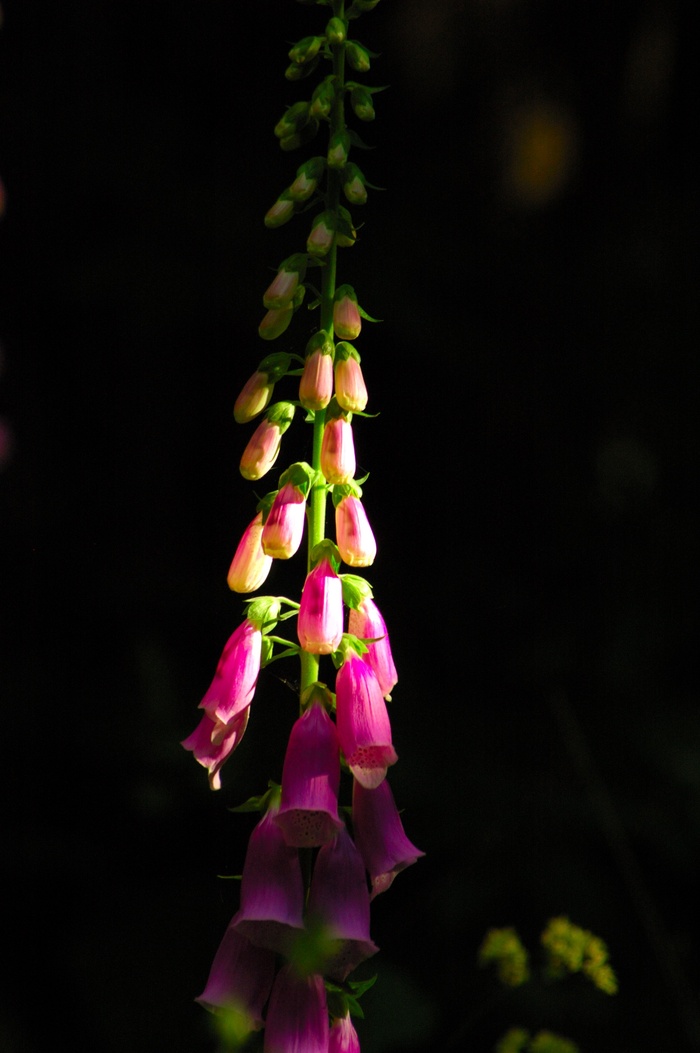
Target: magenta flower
284, 526
320, 618
364, 731
340, 900
232, 689
272, 889
308, 812
367, 624
343, 1036
297, 1016
356, 542
380, 836
250, 565
338, 462
240, 978
213, 742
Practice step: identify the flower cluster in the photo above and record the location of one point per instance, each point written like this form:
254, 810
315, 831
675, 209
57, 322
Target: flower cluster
312, 867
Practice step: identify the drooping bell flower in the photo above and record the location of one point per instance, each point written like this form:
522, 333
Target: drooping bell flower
249, 566
272, 888
343, 1036
284, 525
322, 234
347, 321
361, 102
281, 212
233, 686
320, 618
276, 322
364, 731
264, 445
379, 835
240, 979
350, 387
367, 624
213, 742
339, 898
294, 118
354, 185
297, 1016
309, 174
323, 96
354, 536
338, 462
338, 149
257, 390
290, 273
316, 384
308, 811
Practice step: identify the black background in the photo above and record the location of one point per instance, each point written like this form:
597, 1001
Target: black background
533, 477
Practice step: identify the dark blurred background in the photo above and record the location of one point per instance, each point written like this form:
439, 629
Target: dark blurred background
533, 488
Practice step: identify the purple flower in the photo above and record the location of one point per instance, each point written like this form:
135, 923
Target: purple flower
343, 1036
297, 1016
240, 977
379, 835
320, 619
340, 899
364, 731
367, 624
272, 889
232, 689
308, 813
212, 742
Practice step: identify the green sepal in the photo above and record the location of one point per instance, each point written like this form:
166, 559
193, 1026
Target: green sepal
320, 341
344, 998
299, 138
265, 504
296, 72
355, 590
263, 612
316, 692
356, 140
350, 85
344, 349
357, 8
348, 643
275, 366
334, 409
305, 50
301, 475
361, 103
281, 414
261, 803
368, 317
323, 97
359, 56
341, 490
325, 549
294, 118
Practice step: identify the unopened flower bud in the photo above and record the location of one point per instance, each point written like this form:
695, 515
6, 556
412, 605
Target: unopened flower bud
316, 384
361, 102
284, 526
305, 50
322, 233
347, 322
293, 120
356, 542
350, 387
281, 212
345, 235
358, 56
320, 618
257, 390
264, 445
354, 185
337, 448
300, 137
249, 566
336, 30
338, 149
275, 322
323, 98
307, 179
282, 289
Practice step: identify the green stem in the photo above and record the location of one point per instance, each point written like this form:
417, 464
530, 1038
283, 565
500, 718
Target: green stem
316, 505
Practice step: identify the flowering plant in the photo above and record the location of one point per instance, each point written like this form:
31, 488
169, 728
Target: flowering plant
287, 958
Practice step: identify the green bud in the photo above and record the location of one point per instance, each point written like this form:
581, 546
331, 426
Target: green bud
338, 149
336, 31
307, 179
323, 98
300, 138
296, 72
361, 102
305, 50
281, 212
357, 56
359, 6
354, 185
295, 118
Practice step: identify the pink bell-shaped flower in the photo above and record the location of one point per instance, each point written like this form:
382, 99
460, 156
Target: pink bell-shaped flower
320, 618
240, 978
380, 836
340, 900
347, 321
364, 731
262, 450
250, 565
272, 889
343, 1036
354, 535
316, 384
257, 390
367, 624
232, 689
212, 743
284, 526
338, 461
308, 812
297, 1016
350, 387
